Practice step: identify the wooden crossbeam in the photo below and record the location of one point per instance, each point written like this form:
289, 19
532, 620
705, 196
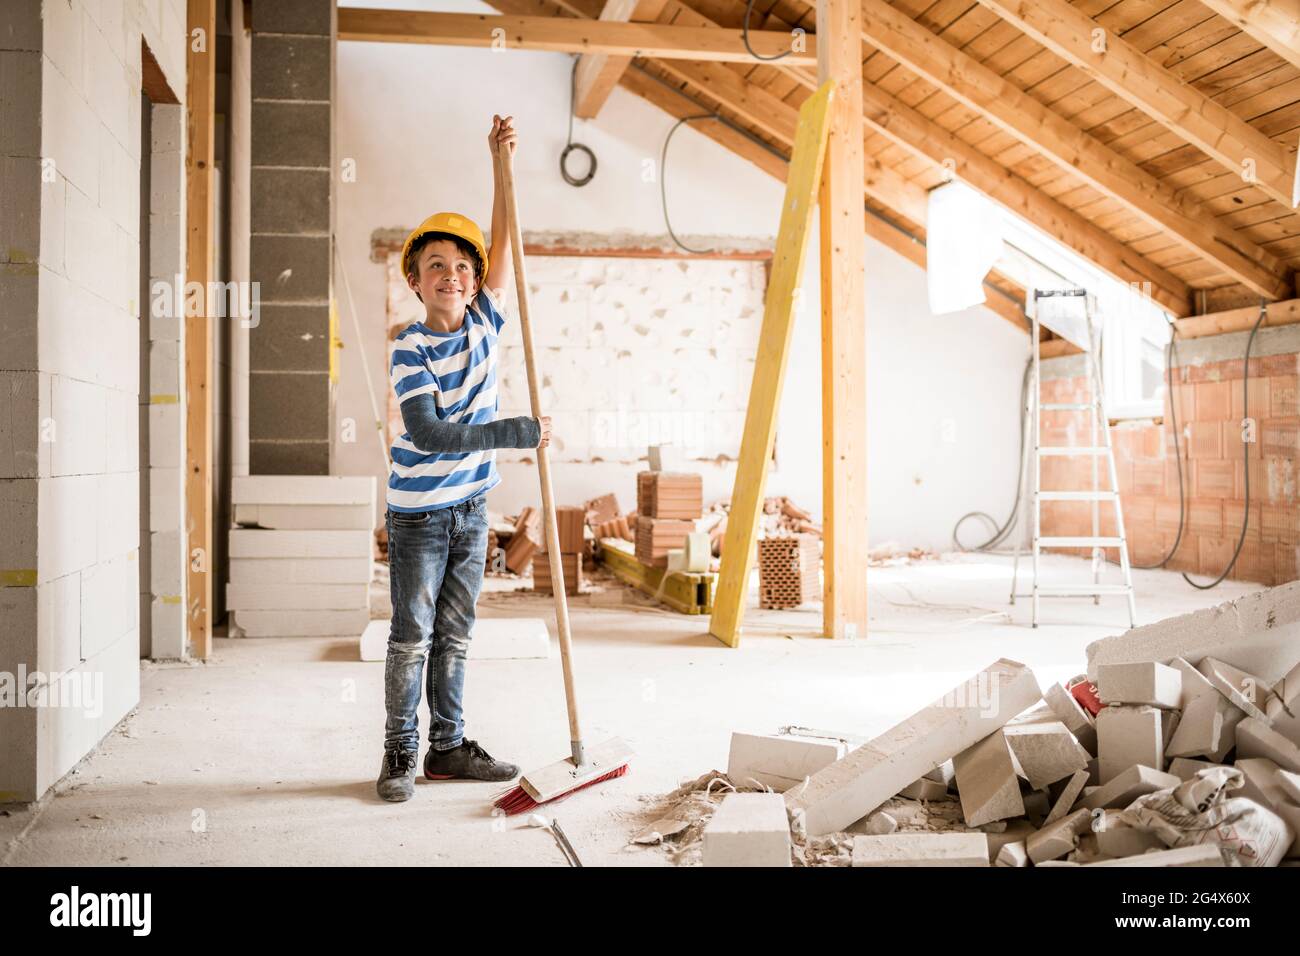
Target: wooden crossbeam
599, 73
1141, 81
570, 35
1274, 23
797, 211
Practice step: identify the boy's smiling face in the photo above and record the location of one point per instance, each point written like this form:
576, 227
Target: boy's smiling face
444, 278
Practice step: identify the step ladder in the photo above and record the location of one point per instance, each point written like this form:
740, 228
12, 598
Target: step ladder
1078, 312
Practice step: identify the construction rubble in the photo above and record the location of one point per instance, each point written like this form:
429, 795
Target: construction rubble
1185, 760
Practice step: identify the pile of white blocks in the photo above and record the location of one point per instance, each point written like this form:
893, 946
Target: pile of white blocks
1018, 777
301, 555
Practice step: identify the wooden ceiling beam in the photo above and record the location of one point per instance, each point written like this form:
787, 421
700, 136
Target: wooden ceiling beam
1273, 23
1142, 82
598, 73
569, 35
1000, 102
942, 149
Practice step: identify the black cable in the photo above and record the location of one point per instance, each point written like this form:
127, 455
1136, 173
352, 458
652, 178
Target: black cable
744, 33
1000, 533
1171, 360
570, 146
1245, 450
663, 179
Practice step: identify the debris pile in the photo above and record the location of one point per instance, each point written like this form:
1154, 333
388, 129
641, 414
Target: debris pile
1185, 761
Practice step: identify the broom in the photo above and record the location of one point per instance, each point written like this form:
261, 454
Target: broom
583, 768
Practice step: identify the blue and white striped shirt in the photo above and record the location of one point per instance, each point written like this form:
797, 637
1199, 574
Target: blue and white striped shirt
459, 369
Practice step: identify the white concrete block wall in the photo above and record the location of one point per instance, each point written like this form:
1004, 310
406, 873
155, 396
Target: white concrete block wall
165, 589
69, 385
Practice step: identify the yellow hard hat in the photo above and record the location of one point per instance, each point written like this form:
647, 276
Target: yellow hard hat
449, 222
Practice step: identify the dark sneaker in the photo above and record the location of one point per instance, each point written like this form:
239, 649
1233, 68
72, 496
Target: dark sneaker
397, 775
468, 761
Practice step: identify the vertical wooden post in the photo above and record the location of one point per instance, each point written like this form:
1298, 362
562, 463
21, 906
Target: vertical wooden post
844, 351
200, 105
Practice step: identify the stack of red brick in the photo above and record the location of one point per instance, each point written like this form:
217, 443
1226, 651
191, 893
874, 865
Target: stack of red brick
667, 506
571, 523
1210, 409
788, 570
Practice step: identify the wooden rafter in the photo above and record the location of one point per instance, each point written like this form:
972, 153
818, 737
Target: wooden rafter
1274, 23
568, 35
1009, 108
937, 146
598, 73
1142, 82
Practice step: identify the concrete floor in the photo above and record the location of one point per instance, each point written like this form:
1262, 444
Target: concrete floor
267, 754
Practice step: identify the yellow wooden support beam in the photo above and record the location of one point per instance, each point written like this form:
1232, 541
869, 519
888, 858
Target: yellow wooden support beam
797, 211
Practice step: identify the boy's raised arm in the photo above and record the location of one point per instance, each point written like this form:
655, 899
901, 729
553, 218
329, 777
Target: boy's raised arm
500, 263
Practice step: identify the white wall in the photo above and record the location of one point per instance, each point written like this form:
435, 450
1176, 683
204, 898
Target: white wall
79, 536
415, 120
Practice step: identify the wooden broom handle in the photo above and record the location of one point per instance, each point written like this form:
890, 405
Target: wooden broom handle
552, 529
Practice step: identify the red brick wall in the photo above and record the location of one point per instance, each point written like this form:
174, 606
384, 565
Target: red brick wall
1209, 407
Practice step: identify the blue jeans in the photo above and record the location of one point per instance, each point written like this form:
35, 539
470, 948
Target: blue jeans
435, 562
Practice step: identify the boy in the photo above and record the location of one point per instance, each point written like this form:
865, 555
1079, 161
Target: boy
444, 372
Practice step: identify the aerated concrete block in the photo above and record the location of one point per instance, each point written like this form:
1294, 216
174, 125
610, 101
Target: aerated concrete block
1256, 632
856, 784
1127, 736
1045, 750
1057, 839
1139, 682
1244, 689
1283, 705
1069, 797
748, 829
778, 761
987, 782
1012, 854
1128, 786
1257, 739
1185, 769
1122, 841
1071, 713
1203, 854
921, 849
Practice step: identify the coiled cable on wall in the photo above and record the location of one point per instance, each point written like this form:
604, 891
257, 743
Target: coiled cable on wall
570, 146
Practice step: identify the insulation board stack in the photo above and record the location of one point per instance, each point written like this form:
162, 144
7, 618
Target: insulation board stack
667, 505
788, 568
301, 556
572, 525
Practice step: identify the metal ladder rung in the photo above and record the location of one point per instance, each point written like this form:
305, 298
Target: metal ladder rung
1081, 590
1081, 541
1047, 450
1066, 406
1076, 496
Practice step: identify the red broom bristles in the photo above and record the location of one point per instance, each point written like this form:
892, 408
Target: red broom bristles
518, 801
